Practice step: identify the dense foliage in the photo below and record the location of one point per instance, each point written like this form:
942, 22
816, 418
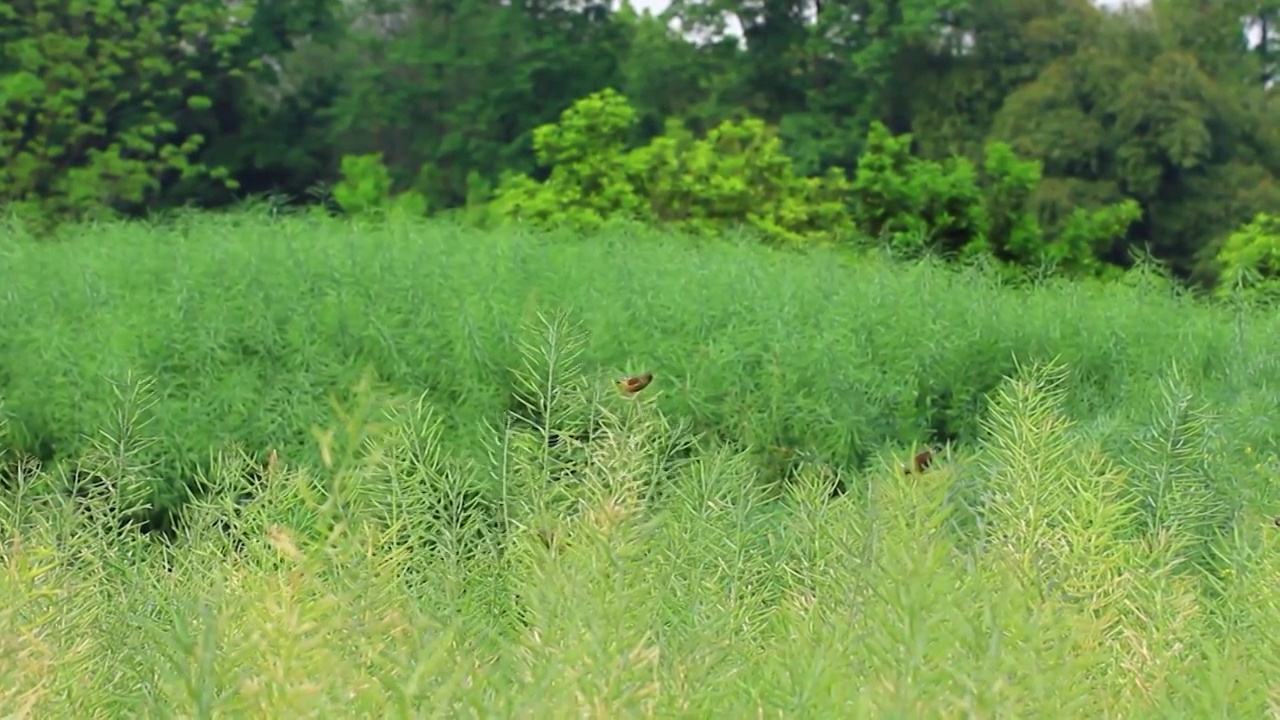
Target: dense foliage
1151, 127
387, 450
94, 96
464, 517
250, 325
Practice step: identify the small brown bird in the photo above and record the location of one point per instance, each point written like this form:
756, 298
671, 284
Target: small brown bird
635, 383
920, 462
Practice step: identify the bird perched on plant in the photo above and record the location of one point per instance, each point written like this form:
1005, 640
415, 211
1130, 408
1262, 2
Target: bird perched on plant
921, 461
635, 383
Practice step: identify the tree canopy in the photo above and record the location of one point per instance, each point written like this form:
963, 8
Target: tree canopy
1059, 124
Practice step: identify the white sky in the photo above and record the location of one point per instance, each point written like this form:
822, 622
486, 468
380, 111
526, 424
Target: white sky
657, 6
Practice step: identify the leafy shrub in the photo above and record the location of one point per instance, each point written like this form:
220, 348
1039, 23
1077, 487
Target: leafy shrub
737, 175
916, 204
913, 203
366, 187
1250, 258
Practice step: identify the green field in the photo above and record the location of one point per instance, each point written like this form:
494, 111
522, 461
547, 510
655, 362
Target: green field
468, 519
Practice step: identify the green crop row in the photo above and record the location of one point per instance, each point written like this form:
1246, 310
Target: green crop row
250, 326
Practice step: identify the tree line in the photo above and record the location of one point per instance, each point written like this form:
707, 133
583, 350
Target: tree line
1093, 132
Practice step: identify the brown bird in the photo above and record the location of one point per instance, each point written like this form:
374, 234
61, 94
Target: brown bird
920, 462
635, 383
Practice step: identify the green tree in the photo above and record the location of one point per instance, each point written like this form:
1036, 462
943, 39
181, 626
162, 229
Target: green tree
271, 129
666, 76
448, 88
824, 71
1160, 107
993, 47
88, 90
